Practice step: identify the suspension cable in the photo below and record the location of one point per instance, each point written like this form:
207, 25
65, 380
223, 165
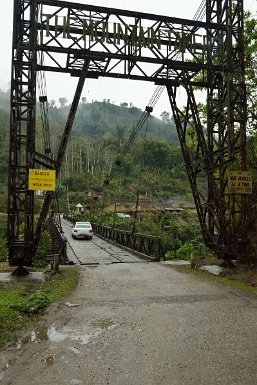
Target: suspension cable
201, 11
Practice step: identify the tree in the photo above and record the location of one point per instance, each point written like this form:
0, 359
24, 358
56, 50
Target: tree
166, 118
52, 104
121, 130
251, 70
155, 154
63, 102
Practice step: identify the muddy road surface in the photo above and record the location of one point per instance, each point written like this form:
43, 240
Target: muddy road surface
139, 324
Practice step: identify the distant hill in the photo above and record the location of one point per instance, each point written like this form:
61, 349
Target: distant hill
99, 132
101, 119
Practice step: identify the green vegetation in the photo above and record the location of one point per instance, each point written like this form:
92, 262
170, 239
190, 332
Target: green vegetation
99, 133
189, 251
243, 278
153, 167
22, 301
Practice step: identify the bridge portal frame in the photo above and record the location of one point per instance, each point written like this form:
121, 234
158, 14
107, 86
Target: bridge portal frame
123, 44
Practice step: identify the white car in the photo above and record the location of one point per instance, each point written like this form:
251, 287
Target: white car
82, 230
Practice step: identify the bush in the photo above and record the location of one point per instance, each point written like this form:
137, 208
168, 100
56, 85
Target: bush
184, 252
188, 251
200, 250
170, 255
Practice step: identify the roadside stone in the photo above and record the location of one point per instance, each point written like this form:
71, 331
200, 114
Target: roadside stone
212, 269
176, 262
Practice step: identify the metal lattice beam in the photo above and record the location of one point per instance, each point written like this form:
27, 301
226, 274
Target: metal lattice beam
22, 135
124, 44
221, 146
120, 43
226, 109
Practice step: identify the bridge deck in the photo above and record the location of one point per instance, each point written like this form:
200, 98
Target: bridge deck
96, 251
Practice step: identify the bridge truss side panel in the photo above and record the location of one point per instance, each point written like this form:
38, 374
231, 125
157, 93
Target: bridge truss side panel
221, 145
227, 117
22, 134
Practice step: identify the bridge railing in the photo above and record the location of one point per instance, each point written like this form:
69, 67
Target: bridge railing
59, 242
148, 245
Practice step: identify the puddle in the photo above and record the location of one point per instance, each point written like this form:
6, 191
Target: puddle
49, 360
38, 335
44, 333
75, 382
1, 376
103, 324
55, 336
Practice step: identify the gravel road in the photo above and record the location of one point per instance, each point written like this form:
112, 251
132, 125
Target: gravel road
140, 324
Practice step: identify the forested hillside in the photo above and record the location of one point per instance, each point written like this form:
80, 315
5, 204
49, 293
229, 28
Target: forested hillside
153, 163
101, 119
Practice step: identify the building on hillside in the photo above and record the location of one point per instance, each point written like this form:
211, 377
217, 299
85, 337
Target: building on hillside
94, 193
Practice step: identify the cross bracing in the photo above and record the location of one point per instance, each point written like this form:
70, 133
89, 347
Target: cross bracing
177, 53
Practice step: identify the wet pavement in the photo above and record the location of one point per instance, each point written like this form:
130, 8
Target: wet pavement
139, 324
133, 322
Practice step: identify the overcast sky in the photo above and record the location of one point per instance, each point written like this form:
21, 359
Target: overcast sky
118, 91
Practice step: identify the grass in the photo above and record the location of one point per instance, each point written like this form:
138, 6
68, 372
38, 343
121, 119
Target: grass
240, 277
22, 301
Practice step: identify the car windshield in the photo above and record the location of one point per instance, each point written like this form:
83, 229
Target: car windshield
83, 226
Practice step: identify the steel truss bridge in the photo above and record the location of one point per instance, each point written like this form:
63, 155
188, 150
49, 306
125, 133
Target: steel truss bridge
89, 42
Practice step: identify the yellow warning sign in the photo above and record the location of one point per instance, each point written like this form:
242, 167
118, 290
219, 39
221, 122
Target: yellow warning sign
42, 180
239, 182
